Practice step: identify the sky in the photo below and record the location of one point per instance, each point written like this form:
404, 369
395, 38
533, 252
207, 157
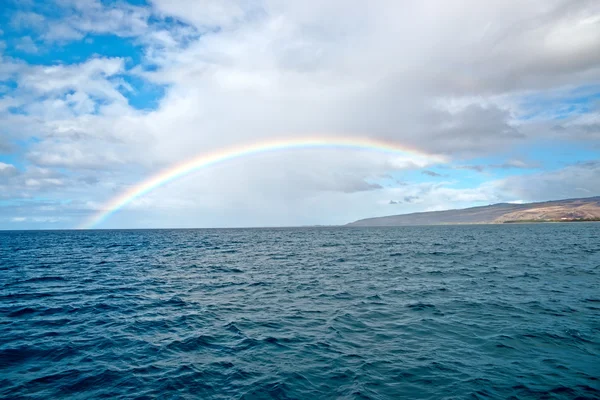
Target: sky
502, 97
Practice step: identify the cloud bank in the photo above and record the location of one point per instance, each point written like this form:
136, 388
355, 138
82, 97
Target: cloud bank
97, 96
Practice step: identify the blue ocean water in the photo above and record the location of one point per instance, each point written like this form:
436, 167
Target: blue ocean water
446, 312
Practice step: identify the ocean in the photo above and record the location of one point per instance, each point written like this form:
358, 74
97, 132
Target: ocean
440, 312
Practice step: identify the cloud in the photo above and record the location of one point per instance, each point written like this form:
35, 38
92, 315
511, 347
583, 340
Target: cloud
91, 77
27, 45
515, 163
7, 170
576, 180
27, 19
5, 146
51, 220
584, 127
471, 86
28, 183
512, 163
206, 13
431, 173
473, 130
73, 19
477, 168
406, 200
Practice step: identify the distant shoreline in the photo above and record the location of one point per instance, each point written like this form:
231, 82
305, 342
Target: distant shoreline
543, 221
568, 210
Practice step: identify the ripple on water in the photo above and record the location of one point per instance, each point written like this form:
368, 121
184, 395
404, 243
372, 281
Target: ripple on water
414, 312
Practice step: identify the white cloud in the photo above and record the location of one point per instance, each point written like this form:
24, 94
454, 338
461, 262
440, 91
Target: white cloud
431, 76
577, 180
73, 155
80, 17
27, 45
90, 76
27, 19
204, 13
7, 170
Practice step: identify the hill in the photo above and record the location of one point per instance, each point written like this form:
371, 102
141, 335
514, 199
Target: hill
585, 209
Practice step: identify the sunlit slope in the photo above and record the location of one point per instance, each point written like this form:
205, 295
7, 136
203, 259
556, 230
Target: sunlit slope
586, 209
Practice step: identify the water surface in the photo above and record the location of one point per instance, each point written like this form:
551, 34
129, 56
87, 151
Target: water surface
353, 313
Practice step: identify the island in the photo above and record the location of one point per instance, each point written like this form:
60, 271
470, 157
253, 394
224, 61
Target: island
568, 210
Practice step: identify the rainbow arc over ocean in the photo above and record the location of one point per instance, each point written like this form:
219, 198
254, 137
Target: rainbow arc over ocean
233, 152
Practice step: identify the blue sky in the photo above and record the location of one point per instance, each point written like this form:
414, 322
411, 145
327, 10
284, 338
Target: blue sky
96, 96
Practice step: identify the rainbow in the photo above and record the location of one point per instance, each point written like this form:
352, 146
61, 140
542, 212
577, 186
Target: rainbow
230, 153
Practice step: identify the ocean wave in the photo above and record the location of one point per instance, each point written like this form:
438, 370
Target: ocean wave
423, 313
